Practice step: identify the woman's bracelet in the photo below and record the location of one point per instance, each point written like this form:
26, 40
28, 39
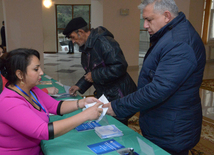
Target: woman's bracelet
78, 106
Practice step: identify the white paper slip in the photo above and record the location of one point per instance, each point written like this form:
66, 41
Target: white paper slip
48, 77
102, 99
67, 88
70, 99
59, 84
63, 95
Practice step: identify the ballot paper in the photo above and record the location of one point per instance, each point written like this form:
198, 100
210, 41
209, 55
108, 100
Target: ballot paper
48, 77
63, 95
108, 131
102, 99
59, 83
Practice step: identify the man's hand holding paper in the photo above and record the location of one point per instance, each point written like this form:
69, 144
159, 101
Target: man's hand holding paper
110, 110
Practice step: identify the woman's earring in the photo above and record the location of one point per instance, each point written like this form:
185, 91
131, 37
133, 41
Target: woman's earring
22, 83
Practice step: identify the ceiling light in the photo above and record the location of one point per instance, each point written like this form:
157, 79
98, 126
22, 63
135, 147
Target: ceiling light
47, 3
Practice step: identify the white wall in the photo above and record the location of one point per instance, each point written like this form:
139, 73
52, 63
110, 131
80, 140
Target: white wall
24, 26
183, 5
126, 29
96, 13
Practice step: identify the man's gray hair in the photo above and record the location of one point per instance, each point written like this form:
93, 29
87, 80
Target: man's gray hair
85, 28
161, 6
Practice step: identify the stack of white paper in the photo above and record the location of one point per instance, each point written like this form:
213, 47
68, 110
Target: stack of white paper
108, 131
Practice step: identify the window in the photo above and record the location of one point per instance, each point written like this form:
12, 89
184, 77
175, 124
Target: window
211, 28
64, 13
208, 22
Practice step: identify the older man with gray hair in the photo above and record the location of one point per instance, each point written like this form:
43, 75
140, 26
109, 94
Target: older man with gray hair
168, 85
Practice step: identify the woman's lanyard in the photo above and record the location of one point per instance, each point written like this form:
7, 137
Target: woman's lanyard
37, 101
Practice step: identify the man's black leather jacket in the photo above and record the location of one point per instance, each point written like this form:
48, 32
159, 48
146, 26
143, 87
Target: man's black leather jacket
103, 57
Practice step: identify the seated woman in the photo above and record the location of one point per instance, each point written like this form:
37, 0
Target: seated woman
24, 108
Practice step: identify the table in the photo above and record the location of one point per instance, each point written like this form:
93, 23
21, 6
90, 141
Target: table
75, 142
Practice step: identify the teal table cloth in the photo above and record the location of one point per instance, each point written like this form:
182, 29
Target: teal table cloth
76, 143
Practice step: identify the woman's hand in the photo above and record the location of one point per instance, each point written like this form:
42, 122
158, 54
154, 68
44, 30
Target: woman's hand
93, 112
69, 106
52, 90
63, 126
88, 100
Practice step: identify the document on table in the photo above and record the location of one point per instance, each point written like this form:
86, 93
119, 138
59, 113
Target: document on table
63, 95
102, 99
87, 126
105, 147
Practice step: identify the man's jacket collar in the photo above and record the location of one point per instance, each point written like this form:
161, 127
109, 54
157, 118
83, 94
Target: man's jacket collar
154, 38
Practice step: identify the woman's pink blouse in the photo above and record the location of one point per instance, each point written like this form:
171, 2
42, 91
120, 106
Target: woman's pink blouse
22, 127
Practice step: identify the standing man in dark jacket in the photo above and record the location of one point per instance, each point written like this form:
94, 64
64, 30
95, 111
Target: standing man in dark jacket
168, 85
102, 60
